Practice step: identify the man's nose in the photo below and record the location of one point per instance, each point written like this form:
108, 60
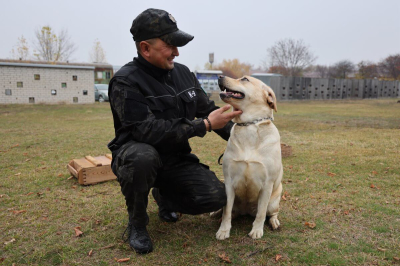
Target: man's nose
175, 51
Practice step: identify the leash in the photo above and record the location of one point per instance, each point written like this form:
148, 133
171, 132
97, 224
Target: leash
219, 159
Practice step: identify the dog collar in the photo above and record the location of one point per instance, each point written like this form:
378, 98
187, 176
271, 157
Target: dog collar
254, 122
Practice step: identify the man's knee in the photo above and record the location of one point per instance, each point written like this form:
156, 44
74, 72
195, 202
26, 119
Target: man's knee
136, 160
213, 201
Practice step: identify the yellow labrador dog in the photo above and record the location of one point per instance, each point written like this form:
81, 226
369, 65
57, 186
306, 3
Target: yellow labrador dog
252, 160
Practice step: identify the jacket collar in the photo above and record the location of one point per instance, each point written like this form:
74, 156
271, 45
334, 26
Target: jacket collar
150, 68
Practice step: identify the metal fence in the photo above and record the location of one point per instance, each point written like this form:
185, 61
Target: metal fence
293, 88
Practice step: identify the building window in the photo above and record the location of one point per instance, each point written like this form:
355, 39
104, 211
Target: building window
75, 78
53, 92
108, 75
31, 99
85, 92
63, 85
36, 76
20, 84
99, 75
75, 99
8, 92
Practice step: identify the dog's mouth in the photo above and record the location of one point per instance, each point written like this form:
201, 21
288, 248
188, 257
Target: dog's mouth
228, 93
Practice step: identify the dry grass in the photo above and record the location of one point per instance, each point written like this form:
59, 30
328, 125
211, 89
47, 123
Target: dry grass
341, 150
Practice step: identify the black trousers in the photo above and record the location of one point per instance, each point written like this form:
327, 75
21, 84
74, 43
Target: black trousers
185, 185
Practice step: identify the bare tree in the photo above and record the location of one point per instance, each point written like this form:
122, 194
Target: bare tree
367, 70
390, 66
231, 68
278, 70
21, 49
343, 68
292, 55
51, 47
98, 55
322, 71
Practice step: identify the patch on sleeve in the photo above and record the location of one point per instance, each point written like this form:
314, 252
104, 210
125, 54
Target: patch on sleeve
192, 94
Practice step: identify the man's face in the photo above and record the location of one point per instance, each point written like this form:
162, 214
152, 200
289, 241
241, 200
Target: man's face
162, 54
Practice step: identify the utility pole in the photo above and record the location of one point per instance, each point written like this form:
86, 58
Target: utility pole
211, 58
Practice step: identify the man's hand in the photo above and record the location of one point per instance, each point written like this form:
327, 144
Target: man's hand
219, 118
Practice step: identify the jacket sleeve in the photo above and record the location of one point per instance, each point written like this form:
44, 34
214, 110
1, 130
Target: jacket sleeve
136, 118
205, 106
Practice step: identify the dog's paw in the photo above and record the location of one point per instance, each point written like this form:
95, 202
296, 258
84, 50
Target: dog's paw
256, 233
222, 234
274, 222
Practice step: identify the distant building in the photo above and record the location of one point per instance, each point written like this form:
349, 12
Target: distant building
102, 72
208, 79
43, 82
265, 77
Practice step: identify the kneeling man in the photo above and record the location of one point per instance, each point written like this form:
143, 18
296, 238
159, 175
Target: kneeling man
157, 106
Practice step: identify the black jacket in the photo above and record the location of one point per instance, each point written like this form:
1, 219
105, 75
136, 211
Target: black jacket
159, 107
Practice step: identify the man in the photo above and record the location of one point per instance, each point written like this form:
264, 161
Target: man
155, 103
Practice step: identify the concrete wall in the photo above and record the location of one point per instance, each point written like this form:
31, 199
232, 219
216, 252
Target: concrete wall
51, 78
294, 88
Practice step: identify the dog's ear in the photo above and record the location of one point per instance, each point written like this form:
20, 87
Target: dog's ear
270, 98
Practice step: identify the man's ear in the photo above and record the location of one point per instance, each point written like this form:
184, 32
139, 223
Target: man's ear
145, 48
270, 99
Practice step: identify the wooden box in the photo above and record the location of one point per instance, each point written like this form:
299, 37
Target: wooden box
92, 170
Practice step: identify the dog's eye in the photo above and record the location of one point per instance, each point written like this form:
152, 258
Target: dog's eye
245, 79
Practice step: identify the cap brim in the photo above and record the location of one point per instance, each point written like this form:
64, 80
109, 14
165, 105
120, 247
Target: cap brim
178, 38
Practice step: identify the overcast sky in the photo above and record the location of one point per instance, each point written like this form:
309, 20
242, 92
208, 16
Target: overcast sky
334, 29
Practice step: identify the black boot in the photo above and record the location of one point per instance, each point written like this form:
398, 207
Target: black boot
139, 239
164, 214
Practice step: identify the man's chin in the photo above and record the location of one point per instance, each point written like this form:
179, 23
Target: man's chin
170, 65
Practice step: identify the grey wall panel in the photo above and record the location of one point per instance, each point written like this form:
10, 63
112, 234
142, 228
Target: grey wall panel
303, 89
375, 88
349, 88
330, 89
335, 92
275, 84
316, 89
390, 92
360, 88
354, 86
367, 89
345, 89
297, 91
307, 86
324, 83
291, 89
285, 88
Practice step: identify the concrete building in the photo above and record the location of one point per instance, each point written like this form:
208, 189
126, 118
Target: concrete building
43, 82
265, 77
208, 79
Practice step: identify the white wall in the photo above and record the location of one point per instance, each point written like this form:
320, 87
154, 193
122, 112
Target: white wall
50, 79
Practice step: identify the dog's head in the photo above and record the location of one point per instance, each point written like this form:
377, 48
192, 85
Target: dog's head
250, 95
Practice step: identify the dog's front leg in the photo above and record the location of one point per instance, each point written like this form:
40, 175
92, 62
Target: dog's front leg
225, 227
258, 225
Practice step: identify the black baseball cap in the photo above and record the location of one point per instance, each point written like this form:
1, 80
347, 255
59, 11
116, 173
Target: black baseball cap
157, 23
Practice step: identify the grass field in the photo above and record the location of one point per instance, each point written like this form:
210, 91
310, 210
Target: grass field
341, 203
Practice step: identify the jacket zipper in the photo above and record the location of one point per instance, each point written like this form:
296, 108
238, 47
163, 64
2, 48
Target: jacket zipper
176, 96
